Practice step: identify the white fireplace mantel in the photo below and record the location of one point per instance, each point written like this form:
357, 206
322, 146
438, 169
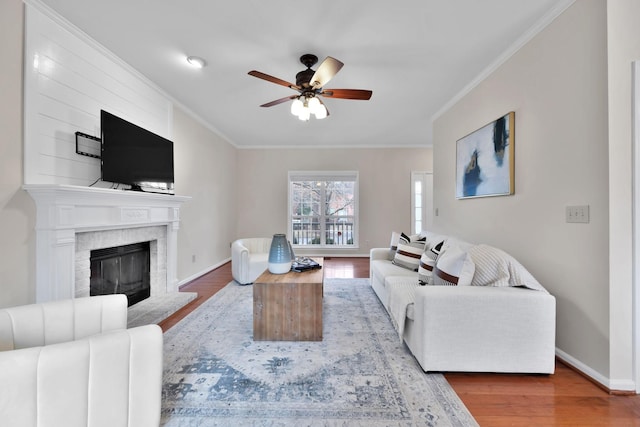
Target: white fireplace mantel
65, 210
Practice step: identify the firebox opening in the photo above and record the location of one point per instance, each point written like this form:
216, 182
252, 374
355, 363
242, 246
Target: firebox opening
122, 270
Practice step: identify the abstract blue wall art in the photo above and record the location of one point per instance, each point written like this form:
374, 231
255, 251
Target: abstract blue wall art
485, 160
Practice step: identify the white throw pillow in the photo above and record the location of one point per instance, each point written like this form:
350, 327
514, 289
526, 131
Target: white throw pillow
454, 267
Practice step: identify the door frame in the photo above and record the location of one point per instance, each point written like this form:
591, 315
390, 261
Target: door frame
636, 221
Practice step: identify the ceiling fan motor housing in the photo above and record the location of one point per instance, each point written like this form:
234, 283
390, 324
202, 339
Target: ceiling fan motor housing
303, 78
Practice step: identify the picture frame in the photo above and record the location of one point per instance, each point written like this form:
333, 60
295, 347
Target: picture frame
485, 162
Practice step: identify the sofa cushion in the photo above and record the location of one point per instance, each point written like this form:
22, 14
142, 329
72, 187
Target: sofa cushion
384, 268
454, 267
410, 248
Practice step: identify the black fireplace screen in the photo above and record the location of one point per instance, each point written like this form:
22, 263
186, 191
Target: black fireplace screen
122, 270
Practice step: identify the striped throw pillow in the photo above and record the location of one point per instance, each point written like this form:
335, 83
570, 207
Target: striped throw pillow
395, 238
410, 249
454, 267
495, 267
492, 267
427, 261
435, 249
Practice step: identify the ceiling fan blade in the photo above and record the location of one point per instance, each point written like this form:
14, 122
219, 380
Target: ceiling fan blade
279, 101
325, 72
272, 79
347, 93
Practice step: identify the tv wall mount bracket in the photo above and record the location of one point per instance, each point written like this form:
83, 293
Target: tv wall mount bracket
88, 145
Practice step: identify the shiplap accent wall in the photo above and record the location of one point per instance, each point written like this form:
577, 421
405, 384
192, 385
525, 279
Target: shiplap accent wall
68, 79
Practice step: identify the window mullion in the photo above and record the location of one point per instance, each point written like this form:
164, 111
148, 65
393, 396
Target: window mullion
323, 213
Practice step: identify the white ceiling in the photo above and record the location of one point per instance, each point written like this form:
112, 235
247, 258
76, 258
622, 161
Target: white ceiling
415, 55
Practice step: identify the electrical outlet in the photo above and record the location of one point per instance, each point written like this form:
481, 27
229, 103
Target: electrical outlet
577, 214
193, 258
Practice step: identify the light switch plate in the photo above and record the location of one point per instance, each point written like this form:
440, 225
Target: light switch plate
577, 214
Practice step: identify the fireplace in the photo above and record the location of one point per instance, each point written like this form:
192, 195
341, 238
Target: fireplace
72, 221
87, 244
121, 270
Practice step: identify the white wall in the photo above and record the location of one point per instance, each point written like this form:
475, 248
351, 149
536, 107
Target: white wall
68, 79
557, 86
385, 188
205, 166
17, 210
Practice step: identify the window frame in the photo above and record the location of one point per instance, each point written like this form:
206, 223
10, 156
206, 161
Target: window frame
324, 176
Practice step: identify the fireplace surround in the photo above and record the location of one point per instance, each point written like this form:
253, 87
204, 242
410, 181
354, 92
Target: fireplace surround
72, 220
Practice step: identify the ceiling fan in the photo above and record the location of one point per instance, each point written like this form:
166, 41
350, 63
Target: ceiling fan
310, 86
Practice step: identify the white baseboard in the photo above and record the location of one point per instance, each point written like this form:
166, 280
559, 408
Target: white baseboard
202, 273
612, 385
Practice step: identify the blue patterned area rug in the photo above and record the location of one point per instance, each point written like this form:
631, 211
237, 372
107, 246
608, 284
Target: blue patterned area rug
359, 375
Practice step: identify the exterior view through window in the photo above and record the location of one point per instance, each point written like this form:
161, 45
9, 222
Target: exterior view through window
323, 209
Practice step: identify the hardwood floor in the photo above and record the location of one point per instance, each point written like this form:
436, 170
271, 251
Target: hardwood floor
563, 399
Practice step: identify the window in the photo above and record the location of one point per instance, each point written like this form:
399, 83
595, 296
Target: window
421, 201
323, 209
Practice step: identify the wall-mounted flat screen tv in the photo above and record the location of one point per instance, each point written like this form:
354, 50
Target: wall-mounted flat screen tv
135, 156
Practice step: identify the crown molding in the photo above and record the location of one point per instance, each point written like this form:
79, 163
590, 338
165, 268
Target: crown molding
547, 19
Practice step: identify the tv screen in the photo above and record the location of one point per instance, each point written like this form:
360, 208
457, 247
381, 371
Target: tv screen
135, 156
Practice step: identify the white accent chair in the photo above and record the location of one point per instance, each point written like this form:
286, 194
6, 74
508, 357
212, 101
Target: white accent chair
249, 258
73, 363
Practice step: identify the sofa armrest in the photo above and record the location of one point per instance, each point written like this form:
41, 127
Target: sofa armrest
111, 379
239, 262
489, 329
60, 321
380, 253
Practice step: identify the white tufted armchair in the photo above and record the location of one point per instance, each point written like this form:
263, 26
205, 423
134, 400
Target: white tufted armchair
73, 363
249, 258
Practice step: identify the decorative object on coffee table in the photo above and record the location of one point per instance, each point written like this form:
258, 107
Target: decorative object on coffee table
280, 255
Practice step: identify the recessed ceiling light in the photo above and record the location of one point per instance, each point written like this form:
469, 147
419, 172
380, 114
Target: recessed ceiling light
196, 61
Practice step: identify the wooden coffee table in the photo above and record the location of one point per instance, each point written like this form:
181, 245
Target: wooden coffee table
288, 307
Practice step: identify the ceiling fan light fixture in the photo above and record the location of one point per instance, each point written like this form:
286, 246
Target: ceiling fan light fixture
305, 114
321, 112
314, 104
296, 107
196, 61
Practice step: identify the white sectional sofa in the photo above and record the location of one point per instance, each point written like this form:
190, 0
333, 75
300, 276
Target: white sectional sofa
496, 319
